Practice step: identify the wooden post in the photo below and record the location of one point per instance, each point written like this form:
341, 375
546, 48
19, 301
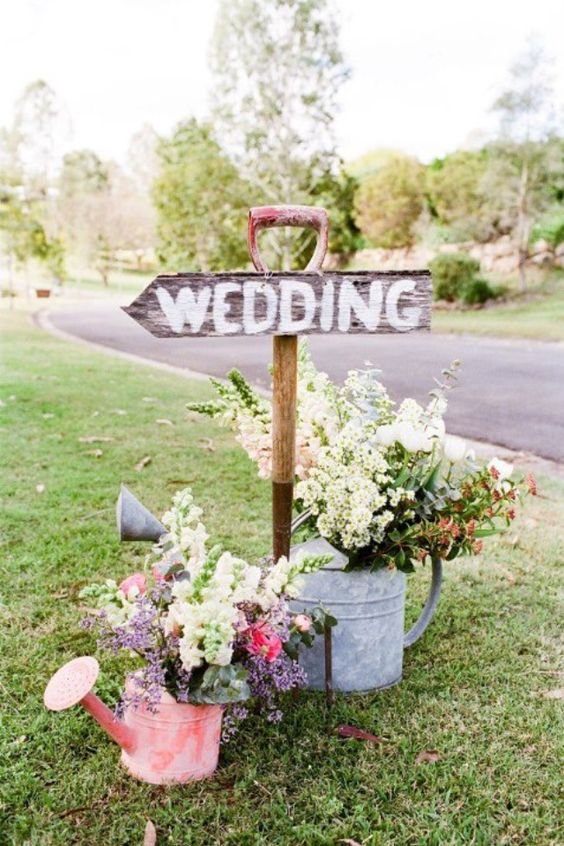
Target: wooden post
285, 368
284, 388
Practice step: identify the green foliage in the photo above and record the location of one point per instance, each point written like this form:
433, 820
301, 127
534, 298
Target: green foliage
220, 685
201, 203
83, 172
389, 202
477, 291
236, 394
24, 235
455, 195
451, 273
550, 229
336, 194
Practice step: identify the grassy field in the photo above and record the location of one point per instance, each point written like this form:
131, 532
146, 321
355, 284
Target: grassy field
481, 688
538, 315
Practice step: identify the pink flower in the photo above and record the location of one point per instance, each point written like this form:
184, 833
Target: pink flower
136, 580
157, 575
263, 641
302, 622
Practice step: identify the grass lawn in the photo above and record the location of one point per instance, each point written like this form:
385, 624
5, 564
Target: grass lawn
539, 315
479, 688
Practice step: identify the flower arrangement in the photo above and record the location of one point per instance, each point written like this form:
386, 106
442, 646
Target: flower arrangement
209, 627
387, 485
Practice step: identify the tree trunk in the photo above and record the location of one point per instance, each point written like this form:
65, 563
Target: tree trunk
523, 227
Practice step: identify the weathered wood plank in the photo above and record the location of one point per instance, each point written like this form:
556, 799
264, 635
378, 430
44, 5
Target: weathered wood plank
204, 304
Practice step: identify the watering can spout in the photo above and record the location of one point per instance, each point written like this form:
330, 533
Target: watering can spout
72, 685
134, 521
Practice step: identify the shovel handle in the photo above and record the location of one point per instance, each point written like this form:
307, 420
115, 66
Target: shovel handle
308, 217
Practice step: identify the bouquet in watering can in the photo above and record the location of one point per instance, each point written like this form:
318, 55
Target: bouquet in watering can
382, 482
206, 625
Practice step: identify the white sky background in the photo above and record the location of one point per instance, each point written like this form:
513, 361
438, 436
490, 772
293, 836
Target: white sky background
423, 73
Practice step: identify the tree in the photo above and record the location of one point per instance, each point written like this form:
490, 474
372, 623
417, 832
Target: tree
337, 193
525, 154
28, 164
389, 202
143, 157
277, 69
102, 211
39, 131
456, 197
201, 203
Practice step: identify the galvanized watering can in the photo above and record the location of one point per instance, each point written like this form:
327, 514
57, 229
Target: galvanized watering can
368, 641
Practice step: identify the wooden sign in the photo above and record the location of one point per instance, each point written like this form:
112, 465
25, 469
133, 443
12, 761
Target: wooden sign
284, 305
219, 304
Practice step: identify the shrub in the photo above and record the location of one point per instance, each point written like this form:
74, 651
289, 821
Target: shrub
550, 229
451, 273
477, 291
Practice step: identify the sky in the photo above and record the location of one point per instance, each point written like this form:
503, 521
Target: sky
424, 74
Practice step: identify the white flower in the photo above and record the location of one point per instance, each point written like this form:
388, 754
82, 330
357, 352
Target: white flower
454, 448
503, 468
386, 435
413, 439
436, 429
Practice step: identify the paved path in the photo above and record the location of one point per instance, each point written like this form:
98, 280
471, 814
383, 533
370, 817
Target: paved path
510, 392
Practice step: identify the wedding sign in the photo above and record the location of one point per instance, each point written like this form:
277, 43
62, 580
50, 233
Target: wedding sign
219, 304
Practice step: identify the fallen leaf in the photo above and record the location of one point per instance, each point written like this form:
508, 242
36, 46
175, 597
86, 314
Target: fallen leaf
428, 756
97, 453
150, 838
557, 693
358, 734
206, 443
509, 576
143, 463
95, 439
47, 415
178, 482
40, 488
163, 421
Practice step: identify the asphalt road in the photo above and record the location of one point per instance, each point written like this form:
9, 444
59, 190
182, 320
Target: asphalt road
509, 393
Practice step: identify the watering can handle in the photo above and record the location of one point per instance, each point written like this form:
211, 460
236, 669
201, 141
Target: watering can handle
430, 607
309, 217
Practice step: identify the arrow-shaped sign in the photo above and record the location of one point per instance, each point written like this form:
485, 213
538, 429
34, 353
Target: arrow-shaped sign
207, 304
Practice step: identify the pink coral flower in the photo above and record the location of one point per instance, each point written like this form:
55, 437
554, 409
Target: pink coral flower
136, 580
302, 622
263, 641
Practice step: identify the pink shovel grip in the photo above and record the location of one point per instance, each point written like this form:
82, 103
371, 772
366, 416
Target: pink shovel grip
308, 217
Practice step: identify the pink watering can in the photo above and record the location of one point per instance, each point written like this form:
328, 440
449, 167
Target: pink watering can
178, 743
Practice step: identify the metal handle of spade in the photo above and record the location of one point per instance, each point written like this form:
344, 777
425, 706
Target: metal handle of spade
307, 217
284, 367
